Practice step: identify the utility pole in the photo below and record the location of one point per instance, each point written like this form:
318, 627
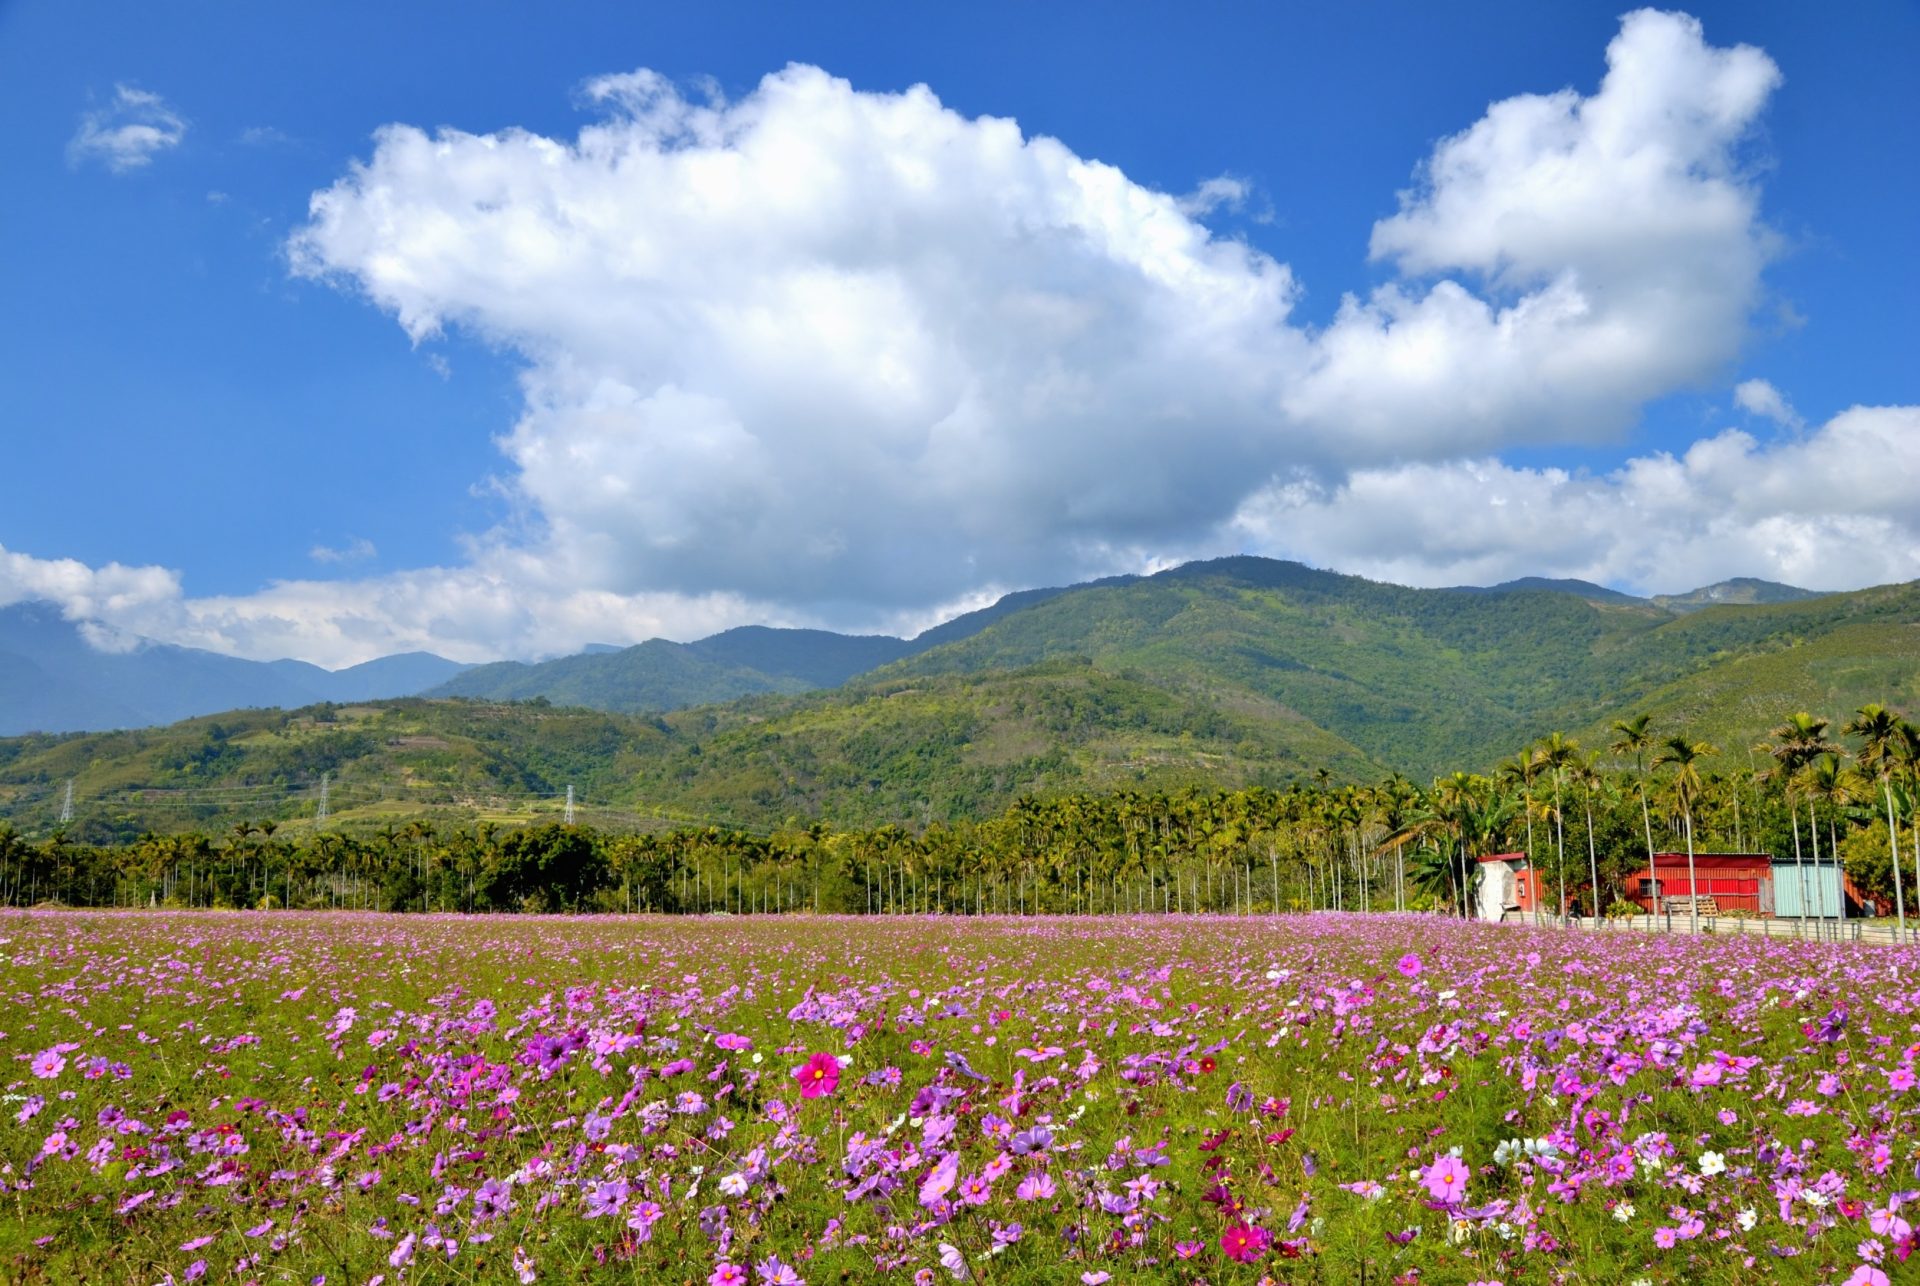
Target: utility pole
66, 808
320, 816
569, 814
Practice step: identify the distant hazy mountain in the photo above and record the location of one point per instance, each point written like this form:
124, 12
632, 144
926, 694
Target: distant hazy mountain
53, 680
1741, 589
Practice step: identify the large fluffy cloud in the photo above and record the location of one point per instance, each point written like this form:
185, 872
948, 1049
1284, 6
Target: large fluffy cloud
824, 356
1834, 510
839, 350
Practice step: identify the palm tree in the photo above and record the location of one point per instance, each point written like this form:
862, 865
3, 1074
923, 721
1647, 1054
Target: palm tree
1795, 743
1586, 773
1556, 754
1825, 780
1685, 757
1520, 769
1906, 753
1879, 729
1636, 738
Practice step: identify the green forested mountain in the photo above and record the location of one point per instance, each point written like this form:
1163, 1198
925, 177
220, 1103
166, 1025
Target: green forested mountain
752, 659
1228, 673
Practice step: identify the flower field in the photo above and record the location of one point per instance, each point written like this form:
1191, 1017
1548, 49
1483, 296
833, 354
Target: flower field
357, 1099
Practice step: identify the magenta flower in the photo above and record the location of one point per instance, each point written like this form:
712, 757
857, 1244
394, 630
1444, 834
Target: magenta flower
1244, 1243
1409, 965
1446, 1178
726, 1274
48, 1063
819, 1075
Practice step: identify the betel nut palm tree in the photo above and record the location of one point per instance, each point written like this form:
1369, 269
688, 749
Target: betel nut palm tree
1879, 731
1635, 737
1684, 757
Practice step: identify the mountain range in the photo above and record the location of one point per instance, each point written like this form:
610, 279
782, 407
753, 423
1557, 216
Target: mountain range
1234, 671
53, 678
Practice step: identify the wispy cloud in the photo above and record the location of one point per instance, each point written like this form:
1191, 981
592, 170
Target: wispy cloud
1758, 397
128, 132
357, 550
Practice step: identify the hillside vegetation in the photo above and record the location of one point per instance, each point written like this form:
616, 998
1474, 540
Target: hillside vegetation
1241, 672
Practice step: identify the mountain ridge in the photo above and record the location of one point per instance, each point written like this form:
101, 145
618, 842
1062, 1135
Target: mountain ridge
1226, 673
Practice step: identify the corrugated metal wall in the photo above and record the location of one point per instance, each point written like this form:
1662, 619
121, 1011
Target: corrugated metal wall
1824, 897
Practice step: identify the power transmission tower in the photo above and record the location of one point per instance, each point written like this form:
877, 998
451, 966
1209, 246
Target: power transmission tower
320, 817
66, 808
569, 805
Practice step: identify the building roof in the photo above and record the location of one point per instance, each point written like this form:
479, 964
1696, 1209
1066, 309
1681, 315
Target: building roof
1504, 857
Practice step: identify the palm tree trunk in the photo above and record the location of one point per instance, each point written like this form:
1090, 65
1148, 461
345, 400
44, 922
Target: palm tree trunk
1813, 836
1693, 885
1593, 860
1799, 867
1893, 847
1560, 848
1653, 867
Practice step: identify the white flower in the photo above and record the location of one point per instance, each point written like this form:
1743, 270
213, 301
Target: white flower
1747, 1219
1712, 1163
1623, 1212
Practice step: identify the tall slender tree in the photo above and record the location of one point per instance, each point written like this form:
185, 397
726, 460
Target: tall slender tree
1684, 757
1635, 737
1879, 731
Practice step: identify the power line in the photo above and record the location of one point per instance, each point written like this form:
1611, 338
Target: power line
66, 809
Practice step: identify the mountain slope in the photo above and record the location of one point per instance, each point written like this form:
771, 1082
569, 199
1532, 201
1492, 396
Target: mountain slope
656, 675
1423, 680
1235, 671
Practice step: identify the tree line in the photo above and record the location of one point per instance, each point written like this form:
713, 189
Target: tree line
1584, 817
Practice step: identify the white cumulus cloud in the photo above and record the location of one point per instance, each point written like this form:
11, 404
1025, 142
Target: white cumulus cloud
128, 132
826, 348
825, 356
1833, 511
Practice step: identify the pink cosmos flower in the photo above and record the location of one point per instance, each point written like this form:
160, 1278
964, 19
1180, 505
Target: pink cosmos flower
726, 1274
819, 1075
48, 1063
1446, 1178
1244, 1243
1037, 1186
1409, 965
1901, 1080
940, 1180
1867, 1275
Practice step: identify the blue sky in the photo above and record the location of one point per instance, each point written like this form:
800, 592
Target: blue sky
222, 431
